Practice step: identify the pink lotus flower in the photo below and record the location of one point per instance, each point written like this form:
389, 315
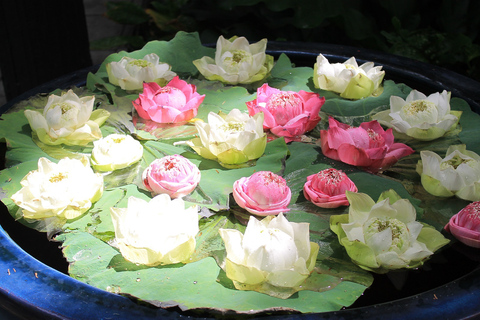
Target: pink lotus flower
176, 102
465, 225
326, 189
287, 114
174, 175
367, 146
263, 193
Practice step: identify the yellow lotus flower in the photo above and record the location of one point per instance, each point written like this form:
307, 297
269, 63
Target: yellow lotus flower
420, 117
65, 189
457, 174
67, 119
130, 74
271, 252
116, 151
232, 139
348, 79
160, 231
236, 61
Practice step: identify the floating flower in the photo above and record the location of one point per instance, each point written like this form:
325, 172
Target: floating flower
263, 193
160, 231
116, 151
236, 62
65, 189
130, 73
272, 252
465, 225
286, 113
67, 119
174, 175
232, 139
384, 236
326, 189
347, 78
176, 102
457, 174
419, 116
367, 146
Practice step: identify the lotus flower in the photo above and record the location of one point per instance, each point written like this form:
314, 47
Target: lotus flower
326, 189
236, 62
347, 78
116, 151
130, 74
272, 252
67, 119
232, 139
286, 113
419, 116
160, 231
65, 189
384, 236
457, 174
174, 175
367, 146
263, 193
465, 225
176, 102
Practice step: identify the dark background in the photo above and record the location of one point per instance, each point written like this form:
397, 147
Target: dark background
40, 41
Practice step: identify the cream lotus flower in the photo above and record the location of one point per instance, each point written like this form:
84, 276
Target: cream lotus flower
130, 73
457, 174
236, 61
67, 119
65, 189
116, 151
419, 116
160, 231
272, 252
348, 79
231, 139
385, 235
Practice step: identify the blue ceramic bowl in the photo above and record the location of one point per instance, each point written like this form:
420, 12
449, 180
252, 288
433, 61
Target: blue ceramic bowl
448, 287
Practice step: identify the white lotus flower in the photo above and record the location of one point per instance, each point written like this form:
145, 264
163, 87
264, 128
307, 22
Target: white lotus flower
67, 119
419, 116
273, 251
348, 79
457, 174
65, 189
115, 151
385, 235
160, 231
231, 139
236, 61
130, 73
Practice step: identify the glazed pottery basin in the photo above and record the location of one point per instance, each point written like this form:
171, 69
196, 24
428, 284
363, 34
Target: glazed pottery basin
31, 288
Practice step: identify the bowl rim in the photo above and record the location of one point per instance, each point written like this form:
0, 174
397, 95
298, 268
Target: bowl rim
29, 288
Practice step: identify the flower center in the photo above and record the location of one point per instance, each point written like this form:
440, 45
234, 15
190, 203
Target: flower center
234, 58
331, 176
454, 162
165, 89
270, 177
373, 135
417, 106
63, 106
58, 177
283, 100
118, 140
170, 163
400, 233
140, 63
233, 126
474, 211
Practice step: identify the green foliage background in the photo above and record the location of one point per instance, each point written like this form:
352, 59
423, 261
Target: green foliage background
440, 32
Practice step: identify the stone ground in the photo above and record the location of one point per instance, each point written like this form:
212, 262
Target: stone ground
98, 27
